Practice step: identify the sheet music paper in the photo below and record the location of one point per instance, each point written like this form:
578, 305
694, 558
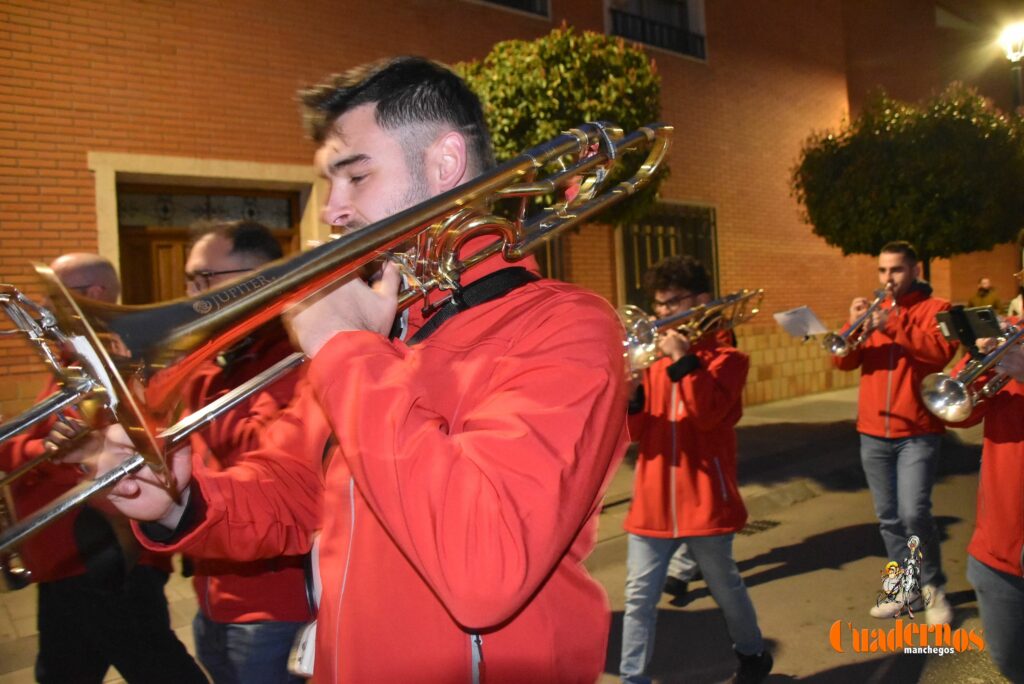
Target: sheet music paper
800, 322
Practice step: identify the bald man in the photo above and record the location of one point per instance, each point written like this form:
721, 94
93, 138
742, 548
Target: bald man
100, 604
88, 275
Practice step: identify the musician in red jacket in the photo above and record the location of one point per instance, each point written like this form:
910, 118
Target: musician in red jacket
101, 601
466, 462
249, 612
899, 438
996, 550
684, 414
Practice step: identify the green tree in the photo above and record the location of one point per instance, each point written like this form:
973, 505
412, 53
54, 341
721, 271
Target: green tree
948, 176
533, 90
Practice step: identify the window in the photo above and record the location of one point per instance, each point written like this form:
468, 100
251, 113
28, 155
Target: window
675, 25
666, 231
538, 7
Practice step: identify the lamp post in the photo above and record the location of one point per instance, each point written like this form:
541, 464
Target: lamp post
1012, 42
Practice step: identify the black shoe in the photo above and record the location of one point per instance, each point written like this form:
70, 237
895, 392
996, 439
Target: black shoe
753, 668
675, 587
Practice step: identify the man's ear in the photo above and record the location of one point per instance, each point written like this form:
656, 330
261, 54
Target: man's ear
95, 291
446, 162
918, 270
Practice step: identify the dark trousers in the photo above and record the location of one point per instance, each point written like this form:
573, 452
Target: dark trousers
85, 627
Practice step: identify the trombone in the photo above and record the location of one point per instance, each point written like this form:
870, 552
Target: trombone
137, 358
841, 344
642, 332
952, 398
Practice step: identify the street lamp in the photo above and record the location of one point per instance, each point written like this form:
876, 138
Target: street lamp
1012, 42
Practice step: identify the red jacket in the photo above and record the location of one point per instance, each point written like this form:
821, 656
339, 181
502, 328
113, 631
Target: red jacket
52, 553
998, 539
685, 480
463, 498
270, 589
893, 361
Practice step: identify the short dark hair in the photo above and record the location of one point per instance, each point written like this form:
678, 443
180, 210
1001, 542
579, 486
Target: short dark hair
681, 272
246, 237
900, 247
406, 91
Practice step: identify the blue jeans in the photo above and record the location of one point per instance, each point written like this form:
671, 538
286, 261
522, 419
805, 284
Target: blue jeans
1001, 603
682, 566
646, 566
245, 652
900, 475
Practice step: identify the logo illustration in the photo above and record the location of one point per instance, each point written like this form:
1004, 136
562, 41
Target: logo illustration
901, 584
901, 590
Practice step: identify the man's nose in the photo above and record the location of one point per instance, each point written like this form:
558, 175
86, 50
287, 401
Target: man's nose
338, 209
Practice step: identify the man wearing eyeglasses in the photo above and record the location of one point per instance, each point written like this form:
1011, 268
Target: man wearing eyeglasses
683, 414
248, 612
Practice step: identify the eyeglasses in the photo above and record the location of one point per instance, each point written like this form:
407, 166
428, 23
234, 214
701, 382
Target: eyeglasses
673, 301
82, 289
200, 280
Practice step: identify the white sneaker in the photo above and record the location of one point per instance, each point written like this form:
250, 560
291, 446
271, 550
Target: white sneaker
886, 610
938, 611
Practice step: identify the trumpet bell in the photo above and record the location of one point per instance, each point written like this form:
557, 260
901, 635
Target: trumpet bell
946, 397
836, 345
641, 343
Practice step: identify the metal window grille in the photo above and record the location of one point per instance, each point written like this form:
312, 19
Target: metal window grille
661, 23
667, 230
538, 7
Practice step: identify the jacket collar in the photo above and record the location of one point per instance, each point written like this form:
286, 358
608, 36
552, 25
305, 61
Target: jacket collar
919, 291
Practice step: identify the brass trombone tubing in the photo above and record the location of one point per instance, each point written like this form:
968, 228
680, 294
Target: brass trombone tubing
73, 392
79, 494
171, 437
725, 313
701, 312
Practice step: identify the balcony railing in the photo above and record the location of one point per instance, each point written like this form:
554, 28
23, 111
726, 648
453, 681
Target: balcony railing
538, 7
666, 36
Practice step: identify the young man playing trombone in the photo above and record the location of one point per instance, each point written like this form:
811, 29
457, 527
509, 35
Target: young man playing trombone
899, 345
461, 474
683, 413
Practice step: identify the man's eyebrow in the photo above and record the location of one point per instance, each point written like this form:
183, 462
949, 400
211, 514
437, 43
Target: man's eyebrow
338, 164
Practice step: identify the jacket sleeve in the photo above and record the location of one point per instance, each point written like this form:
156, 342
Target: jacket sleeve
486, 508
713, 390
639, 407
267, 504
920, 336
240, 429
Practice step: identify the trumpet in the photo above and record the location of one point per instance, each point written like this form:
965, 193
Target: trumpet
642, 332
137, 358
952, 398
841, 344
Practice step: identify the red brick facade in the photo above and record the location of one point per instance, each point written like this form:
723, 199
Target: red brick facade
217, 81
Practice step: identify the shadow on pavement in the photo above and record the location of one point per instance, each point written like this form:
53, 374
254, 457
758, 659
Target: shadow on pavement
690, 646
829, 550
827, 453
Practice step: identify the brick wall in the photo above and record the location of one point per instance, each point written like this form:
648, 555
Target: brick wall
217, 80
